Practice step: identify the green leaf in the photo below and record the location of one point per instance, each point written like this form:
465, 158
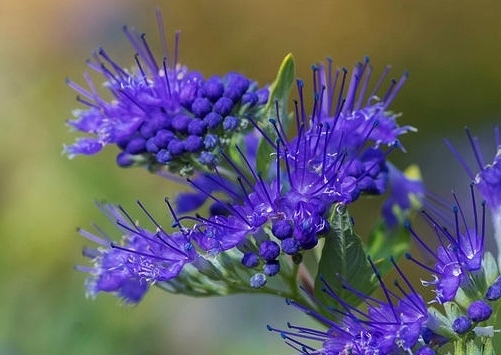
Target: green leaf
385, 242
281, 87
343, 258
490, 267
279, 91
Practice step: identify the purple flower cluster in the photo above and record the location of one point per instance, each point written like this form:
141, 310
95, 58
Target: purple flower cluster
335, 157
393, 325
141, 259
162, 113
463, 275
326, 163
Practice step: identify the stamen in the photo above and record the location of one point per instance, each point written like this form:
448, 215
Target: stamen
420, 241
174, 215
115, 246
161, 30
140, 67
263, 133
330, 89
153, 63
339, 99
383, 286
115, 66
352, 88
476, 151
365, 84
300, 85
389, 91
459, 158
85, 102
408, 256
283, 135
166, 74
387, 101
378, 84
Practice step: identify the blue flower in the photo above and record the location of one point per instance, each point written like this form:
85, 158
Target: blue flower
143, 258
386, 326
351, 109
325, 163
161, 113
487, 177
460, 251
406, 193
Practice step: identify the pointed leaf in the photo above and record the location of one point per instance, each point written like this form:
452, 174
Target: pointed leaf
279, 91
343, 258
385, 242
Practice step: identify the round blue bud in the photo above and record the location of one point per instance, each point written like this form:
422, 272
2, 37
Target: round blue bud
123, 141
124, 159
271, 268
213, 120
230, 123
163, 138
250, 260
176, 147
213, 88
461, 325
210, 141
263, 95
136, 145
250, 98
180, 123
494, 291
236, 86
479, 311
258, 280
201, 107
269, 250
150, 128
151, 147
366, 184
163, 156
290, 246
207, 158
189, 88
197, 127
355, 168
223, 106
282, 229
193, 144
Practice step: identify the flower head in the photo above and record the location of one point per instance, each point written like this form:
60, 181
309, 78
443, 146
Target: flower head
387, 326
161, 113
487, 177
326, 162
140, 260
459, 254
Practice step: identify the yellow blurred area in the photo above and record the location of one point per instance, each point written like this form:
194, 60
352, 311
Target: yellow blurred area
452, 50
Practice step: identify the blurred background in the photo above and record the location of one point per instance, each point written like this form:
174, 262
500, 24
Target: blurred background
452, 50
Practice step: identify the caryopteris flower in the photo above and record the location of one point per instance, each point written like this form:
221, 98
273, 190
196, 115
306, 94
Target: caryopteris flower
487, 178
460, 251
309, 173
143, 258
388, 326
161, 113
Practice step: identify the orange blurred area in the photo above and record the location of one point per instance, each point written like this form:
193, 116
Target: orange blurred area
451, 49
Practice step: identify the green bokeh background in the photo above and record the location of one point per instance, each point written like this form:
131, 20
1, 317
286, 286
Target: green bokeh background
452, 50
